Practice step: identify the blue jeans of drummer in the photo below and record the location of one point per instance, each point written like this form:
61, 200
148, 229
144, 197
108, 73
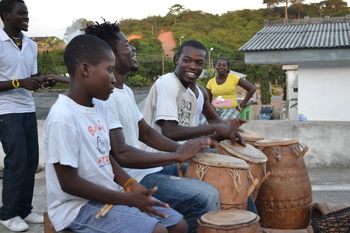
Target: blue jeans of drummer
190, 197
19, 138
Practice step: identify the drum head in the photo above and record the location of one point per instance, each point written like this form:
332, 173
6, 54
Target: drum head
276, 142
217, 160
248, 152
226, 218
250, 136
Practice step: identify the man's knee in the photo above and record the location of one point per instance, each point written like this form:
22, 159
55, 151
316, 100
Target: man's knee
181, 227
159, 228
209, 198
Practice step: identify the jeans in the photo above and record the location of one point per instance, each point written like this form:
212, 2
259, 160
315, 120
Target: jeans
190, 197
121, 219
19, 138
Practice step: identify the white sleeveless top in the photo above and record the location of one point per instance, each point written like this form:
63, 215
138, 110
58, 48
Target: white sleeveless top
199, 106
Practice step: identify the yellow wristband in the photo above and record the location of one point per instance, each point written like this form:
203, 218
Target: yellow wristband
129, 182
15, 83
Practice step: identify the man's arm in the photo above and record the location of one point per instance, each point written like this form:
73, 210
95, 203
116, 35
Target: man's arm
128, 156
154, 139
31, 83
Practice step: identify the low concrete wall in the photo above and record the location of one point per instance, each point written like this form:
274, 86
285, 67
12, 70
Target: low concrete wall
328, 142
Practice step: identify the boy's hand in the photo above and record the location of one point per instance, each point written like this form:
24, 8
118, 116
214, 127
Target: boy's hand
143, 200
135, 186
192, 147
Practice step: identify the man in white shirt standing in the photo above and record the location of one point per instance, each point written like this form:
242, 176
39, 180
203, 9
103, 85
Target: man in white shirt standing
18, 125
190, 197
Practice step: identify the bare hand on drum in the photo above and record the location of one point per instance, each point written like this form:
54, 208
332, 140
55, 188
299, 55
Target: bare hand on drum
230, 131
143, 200
193, 146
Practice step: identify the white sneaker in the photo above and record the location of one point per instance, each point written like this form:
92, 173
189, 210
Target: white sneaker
34, 218
15, 224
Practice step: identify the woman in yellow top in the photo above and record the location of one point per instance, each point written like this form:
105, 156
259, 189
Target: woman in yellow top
222, 91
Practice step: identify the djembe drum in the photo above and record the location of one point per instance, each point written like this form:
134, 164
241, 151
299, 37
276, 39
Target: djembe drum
229, 221
284, 198
255, 158
227, 174
250, 137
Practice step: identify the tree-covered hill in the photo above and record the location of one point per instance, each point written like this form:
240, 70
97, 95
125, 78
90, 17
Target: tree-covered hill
224, 33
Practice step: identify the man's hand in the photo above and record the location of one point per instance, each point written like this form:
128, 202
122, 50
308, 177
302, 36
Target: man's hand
230, 131
192, 147
31, 83
143, 200
48, 81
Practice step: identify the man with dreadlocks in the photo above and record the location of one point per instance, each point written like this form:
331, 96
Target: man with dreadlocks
190, 197
18, 126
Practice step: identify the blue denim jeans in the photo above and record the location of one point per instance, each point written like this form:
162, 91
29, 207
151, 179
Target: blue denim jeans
121, 219
190, 197
19, 138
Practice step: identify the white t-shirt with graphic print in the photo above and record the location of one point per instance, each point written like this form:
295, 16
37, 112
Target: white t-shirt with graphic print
76, 136
169, 100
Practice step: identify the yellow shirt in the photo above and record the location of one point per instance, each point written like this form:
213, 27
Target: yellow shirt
224, 95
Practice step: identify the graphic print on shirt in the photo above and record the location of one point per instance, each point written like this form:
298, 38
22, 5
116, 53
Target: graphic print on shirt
99, 134
185, 112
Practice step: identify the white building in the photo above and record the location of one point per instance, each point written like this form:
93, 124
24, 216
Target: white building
316, 56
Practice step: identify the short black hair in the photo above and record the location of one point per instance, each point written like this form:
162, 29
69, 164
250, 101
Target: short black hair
7, 6
224, 59
106, 31
84, 48
190, 43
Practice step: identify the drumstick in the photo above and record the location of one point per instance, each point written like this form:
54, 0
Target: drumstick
104, 210
252, 187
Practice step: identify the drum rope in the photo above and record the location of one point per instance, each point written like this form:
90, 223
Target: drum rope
201, 170
236, 177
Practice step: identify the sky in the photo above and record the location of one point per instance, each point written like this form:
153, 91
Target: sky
52, 17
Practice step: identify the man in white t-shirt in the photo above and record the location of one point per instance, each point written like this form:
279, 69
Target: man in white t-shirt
18, 125
190, 197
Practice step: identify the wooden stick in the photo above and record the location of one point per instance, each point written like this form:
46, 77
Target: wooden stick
104, 210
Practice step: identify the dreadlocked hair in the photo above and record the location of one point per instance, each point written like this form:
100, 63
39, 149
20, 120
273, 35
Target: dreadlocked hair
106, 31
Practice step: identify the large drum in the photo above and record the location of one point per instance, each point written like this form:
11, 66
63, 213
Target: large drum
284, 198
254, 157
250, 137
232, 221
227, 174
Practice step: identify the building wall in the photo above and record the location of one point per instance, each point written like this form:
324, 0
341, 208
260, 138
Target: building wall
327, 142
324, 91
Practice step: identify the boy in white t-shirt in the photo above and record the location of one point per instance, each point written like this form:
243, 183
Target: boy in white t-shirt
80, 175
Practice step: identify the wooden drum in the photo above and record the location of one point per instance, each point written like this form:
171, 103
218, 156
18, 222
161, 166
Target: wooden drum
250, 137
227, 174
254, 157
232, 221
284, 198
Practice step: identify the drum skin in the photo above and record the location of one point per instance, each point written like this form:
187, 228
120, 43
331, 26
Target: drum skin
249, 225
284, 198
232, 195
